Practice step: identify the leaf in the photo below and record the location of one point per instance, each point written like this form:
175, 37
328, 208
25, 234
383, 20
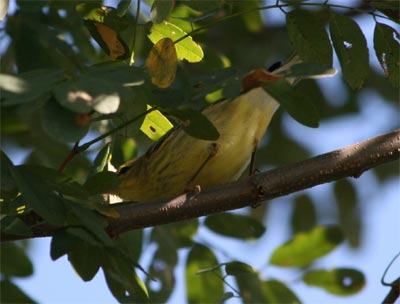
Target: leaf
101, 182
162, 62
277, 292
304, 216
177, 235
235, 225
308, 37
85, 260
27, 87
351, 49
205, 287
62, 124
120, 74
88, 93
338, 281
309, 71
185, 49
155, 124
130, 243
386, 45
161, 9
14, 225
11, 293
101, 160
62, 243
39, 195
305, 247
119, 270
194, 123
123, 150
238, 268
14, 262
250, 287
299, 106
252, 17
349, 213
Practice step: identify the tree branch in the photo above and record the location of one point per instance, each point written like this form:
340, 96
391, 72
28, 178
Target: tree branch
350, 161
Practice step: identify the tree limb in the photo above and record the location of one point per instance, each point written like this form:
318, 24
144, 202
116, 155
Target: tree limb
350, 161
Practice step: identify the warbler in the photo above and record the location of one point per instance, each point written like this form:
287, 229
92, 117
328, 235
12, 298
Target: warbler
179, 162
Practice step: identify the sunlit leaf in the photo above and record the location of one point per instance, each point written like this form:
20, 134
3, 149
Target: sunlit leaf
351, 48
185, 49
162, 62
309, 37
306, 247
387, 48
155, 124
338, 281
204, 287
235, 225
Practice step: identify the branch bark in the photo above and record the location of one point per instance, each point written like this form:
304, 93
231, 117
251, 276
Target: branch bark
350, 161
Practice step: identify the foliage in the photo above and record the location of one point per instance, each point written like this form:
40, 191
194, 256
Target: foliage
58, 87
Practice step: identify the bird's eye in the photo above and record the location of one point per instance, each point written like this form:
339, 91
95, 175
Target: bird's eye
123, 170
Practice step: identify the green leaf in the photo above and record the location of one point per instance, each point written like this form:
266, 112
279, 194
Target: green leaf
155, 124
349, 213
185, 49
235, 225
306, 247
304, 215
310, 70
252, 17
238, 268
123, 7
106, 15
85, 259
386, 44
205, 287
130, 243
39, 195
120, 270
309, 37
11, 293
92, 221
62, 124
62, 243
177, 234
277, 292
27, 87
125, 75
250, 287
123, 149
351, 49
14, 262
101, 160
8, 186
194, 123
14, 225
299, 106
161, 9
88, 93
338, 281
101, 182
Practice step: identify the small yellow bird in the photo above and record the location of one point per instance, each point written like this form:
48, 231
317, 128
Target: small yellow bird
179, 162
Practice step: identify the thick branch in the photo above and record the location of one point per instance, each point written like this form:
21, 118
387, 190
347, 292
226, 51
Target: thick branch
350, 161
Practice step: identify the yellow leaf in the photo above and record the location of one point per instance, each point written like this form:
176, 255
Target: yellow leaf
161, 63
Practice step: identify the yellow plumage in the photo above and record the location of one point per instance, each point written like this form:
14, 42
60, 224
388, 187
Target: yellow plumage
179, 161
